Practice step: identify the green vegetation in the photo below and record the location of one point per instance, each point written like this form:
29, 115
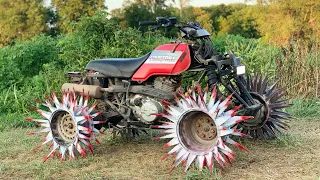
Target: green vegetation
36, 67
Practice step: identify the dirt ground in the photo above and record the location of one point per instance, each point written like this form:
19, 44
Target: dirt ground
296, 155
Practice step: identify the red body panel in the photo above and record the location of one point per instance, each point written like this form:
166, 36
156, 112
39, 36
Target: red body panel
164, 62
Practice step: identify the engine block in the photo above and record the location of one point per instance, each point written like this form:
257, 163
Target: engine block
143, 107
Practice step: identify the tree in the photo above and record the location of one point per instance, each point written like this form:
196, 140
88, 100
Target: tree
131, 13
240, 22
71, 10
285, 20
21, 20
183, 4
204, 19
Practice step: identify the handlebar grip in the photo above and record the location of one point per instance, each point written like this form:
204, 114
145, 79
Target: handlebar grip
148, 23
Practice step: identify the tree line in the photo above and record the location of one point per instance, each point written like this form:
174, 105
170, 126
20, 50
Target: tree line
275, 21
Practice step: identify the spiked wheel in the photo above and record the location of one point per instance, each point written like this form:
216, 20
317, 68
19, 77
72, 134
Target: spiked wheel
199, 129
270, 117
69, 125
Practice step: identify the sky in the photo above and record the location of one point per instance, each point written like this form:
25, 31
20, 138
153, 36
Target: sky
112, 4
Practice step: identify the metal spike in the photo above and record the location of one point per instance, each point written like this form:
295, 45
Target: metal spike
270, 89
259, 83
263, 85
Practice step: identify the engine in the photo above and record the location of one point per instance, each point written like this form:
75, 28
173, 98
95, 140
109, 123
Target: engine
144, 106
167, 83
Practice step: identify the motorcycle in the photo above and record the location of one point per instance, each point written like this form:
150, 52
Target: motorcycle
135, 93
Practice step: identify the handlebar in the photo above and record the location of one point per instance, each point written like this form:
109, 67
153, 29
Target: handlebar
160, 21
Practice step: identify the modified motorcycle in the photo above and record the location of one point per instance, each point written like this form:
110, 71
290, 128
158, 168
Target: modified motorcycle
136, 94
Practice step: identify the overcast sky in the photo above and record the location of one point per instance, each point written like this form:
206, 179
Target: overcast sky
112, 4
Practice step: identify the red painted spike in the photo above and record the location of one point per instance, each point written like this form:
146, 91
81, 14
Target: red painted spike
181, 94
228, 103
244, 135
192, 98
154, 126
37, 147
83, 137
199, 89
87, 97
157, 138
213, 93
165, 156
53, 154
211, 167
61, 159
48, 97
50, 145
98, 141
176, 99
37, 101
82, 109
45, 159
100, 112
158, 115
223, 128
182, 163
53, 95
70, 157
237, 107
229, 160
165, 102
88, 117
32, 108
229, 97
244, 118
171, 170
241, 147
207, 88
166, 145
28, 119
59, 155
101, 132
204, 162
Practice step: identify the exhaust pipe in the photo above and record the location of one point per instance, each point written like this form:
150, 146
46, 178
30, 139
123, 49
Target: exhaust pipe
94, 91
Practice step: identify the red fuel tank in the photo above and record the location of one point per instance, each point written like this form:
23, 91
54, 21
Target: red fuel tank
167, 59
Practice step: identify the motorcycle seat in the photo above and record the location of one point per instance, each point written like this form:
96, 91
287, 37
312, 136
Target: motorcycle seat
117, 67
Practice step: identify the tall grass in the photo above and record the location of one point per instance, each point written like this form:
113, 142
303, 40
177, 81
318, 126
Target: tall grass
295, 67
298, 69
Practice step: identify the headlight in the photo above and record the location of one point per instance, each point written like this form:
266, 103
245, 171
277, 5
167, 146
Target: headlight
241, 70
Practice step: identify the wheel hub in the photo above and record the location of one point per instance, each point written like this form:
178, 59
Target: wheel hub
63, 126
205, 128
197, 131
261, 115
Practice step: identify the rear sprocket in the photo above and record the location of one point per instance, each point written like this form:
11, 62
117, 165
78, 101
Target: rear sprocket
270, 117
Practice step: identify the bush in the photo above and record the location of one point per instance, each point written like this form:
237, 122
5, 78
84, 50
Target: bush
24, 60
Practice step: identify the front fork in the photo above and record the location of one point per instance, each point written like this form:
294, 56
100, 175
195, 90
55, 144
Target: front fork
241, 92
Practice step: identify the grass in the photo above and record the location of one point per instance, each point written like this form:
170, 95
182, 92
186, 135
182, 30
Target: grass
293, 155
305, 108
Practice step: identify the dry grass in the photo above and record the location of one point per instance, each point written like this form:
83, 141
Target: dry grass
294, 156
